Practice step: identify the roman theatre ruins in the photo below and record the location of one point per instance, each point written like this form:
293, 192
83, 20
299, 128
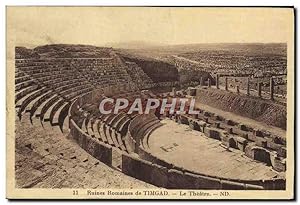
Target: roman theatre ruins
237, 141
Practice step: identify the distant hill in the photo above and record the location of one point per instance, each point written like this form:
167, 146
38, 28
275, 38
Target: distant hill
261, 48
159, 52
145, 49
63, 51
135, 45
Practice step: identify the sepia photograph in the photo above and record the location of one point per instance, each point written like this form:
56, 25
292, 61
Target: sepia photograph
180, 103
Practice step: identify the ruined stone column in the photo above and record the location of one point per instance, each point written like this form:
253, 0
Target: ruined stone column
226, 83
259, 89
238, 89
209, 83
271, 88
201, 81
248, 86
173, 91
217, 81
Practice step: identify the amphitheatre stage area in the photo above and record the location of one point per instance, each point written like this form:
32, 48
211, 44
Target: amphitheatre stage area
234, 140
188, 148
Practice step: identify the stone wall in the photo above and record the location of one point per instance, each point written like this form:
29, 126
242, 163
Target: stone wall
251, 107
176, 178
101, 151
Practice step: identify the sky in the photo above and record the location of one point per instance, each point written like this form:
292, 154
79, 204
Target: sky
33, 26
